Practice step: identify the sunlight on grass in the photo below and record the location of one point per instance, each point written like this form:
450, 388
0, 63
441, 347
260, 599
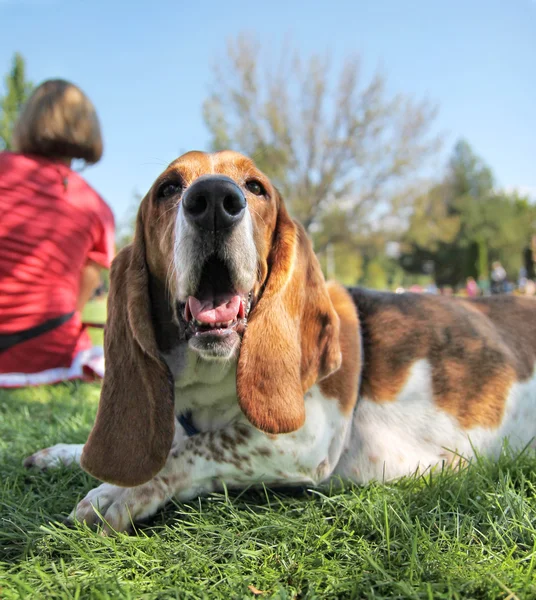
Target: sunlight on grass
95, 312
466, 534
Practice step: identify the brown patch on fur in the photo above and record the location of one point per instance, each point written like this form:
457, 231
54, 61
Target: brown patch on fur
243, 433
146, 494
213, 449
476, 349
515, 321
343, 384
209, 446
227, 442
263, 452
323, 469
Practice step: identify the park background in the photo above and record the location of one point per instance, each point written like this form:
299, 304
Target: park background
402, 134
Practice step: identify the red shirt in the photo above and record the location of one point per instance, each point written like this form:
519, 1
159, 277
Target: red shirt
51, 223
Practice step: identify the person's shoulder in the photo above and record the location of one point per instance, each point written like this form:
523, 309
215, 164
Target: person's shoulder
30, 159
105, 211
6, 161
14, 160
35, 172
93, 199
6, 156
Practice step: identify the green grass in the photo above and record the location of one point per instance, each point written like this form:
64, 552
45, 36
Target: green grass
466, 534
95, 312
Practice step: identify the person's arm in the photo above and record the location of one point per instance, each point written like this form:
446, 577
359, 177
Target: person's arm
90, 280
99, 257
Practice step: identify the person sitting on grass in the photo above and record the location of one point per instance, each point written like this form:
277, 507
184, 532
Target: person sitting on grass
56, 234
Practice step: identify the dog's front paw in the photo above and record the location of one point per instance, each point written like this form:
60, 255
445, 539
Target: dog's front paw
117, 508
55, 456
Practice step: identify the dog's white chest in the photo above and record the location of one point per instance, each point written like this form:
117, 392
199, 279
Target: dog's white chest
207, 390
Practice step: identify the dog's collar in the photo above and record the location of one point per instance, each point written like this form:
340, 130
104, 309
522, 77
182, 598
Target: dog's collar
188, 425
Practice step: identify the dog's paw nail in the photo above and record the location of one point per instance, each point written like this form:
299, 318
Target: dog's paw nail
68, 522
29, 462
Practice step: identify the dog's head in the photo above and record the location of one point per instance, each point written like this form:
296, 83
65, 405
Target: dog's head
240, 281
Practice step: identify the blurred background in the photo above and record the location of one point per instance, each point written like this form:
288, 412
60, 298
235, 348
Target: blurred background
402, 134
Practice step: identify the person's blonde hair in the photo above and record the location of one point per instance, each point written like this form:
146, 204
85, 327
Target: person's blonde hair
59, 121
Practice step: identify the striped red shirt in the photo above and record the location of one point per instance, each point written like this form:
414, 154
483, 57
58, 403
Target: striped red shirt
51, 223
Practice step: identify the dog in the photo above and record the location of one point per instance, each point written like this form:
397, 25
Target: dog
231, 362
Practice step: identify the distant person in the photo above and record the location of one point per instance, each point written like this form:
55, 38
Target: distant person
498, 278
56, 234
471, 287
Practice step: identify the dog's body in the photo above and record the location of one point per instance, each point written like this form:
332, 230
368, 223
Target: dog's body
284, 379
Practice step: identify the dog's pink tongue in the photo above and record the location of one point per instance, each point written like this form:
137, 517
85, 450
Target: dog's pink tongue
207, 311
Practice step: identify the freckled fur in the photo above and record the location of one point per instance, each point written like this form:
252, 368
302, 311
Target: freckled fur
477, 349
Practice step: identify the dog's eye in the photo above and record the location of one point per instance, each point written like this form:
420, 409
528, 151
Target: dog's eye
169, 188
255, 187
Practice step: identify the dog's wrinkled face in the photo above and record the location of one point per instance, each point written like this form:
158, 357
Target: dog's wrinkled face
211, 217
214, 249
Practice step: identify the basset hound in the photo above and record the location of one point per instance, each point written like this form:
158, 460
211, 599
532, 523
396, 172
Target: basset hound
231, 362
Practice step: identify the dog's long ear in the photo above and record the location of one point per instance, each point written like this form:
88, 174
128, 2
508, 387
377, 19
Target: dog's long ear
292, 337
134, 427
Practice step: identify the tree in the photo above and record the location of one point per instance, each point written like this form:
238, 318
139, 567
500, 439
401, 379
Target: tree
17, 91
463, 223
339, 149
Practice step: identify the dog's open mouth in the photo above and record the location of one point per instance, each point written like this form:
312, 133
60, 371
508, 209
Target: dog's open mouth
217, 308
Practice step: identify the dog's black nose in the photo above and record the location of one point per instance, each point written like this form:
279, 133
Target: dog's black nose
214, 202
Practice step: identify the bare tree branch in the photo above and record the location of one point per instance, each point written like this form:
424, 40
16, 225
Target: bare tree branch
339, 149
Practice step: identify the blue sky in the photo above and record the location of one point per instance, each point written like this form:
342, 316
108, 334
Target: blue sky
147, 68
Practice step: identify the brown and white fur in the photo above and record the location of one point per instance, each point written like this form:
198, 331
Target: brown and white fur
313, 382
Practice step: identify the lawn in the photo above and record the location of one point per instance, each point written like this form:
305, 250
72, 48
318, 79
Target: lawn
467, 534
95, 312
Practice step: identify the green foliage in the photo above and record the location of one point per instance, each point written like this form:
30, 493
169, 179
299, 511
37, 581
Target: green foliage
463, 223
468, 174
376, 277
95, 312
432, 222
343, 263
446, 535
17, 91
